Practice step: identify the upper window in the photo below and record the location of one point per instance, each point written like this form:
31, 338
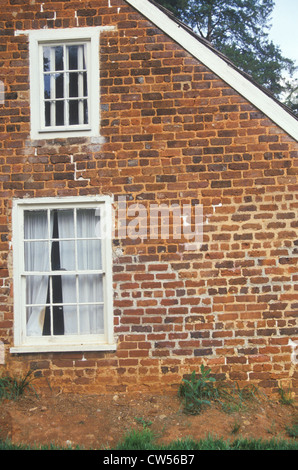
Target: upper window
62, 267
65, 101
64, 82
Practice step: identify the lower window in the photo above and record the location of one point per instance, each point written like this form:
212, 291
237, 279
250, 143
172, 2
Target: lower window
62, 275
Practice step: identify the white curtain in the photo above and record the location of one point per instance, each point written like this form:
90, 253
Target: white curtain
89, 285
36, 259
79, 289
67, 263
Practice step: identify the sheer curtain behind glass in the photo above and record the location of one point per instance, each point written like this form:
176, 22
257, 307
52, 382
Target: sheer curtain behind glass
88, 290
80, 256
37, 260
90, 285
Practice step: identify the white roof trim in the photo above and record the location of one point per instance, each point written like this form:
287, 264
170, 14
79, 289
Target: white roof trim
217, 65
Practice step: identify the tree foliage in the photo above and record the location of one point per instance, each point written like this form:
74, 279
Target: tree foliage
240, 30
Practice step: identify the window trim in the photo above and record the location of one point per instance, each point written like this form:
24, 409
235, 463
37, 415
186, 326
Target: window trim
62, 36
92, 342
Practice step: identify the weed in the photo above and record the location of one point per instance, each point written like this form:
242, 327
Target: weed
285, 396
145, 423
236, 427
292, 431
12, 388
199, 391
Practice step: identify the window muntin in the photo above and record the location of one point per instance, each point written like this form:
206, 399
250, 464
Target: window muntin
65, 74
63, 265
66, 297
64, 82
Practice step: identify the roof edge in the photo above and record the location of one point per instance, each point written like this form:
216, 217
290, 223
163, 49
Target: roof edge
222, 68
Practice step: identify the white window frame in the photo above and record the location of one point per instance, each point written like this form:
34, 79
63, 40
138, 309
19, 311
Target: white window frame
61, 343
37, 39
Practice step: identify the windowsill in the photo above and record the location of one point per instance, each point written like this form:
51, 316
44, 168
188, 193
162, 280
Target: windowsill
47, 348
66, 134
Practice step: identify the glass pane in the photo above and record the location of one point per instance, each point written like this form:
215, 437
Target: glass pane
47, 114
59, 113
73, 112
85, 89
89, 254
73, 85
70, 319
46, 58
76, 57
65, 223
86, 112
56, 285
59, 81
47, 86
69, 291
90, 288
67, 255
35, 225
35, 320
91, 319
36, 256
59, 58
87, 220
36, 290
73, 57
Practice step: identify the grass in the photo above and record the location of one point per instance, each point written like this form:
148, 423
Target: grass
11, 388
145, 440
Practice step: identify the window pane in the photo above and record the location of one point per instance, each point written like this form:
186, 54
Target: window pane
89, 254
69, 288
73, 57
59, 58
35, 320
59, 81
65, 223
67, 255
46, 59
36, 256
91, 319
70, 319
36, 289
47, 86
90, 288
86, 112
87, 220
73, 112
59, 113
76, 56
47, 114
85, 89
35, 225
73, 85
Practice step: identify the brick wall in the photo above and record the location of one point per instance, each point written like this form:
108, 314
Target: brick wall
174, 133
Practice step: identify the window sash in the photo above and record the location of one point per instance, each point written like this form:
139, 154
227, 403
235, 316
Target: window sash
80, 341
65, 112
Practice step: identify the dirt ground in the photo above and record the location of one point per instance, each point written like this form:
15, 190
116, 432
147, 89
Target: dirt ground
101, 421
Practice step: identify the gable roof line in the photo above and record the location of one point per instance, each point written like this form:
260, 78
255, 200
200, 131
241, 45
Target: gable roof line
218, 64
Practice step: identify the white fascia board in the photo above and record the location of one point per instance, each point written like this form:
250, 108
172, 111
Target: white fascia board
222, 69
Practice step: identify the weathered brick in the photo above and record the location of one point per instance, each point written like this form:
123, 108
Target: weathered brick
173, 133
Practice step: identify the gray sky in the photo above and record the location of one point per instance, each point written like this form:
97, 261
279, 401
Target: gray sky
284, 31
